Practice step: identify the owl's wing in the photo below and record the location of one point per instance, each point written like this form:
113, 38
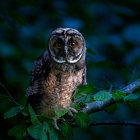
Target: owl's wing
84, 80
40, 67
38, 72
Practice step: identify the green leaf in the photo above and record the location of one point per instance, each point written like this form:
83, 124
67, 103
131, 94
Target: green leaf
25, 112
83, 89
130, 97
111, 108
17, 131
13, 112
52, 135
33, 116
82, 119
90, 51
117, 95
37, 132
102, 96
134, 105
66, 130
61, 112
78, 106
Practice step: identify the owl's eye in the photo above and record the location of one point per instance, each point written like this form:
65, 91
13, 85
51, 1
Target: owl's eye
58, 45
72, 44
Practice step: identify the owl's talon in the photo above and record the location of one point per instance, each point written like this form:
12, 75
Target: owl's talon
55, 119
72, 111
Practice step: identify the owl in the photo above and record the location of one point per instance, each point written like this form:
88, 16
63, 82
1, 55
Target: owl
57, 73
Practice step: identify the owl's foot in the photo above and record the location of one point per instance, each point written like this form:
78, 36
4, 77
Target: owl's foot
72, 111
56, 119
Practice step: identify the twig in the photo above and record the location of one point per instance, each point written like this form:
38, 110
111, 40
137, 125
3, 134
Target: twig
9, 95
100, 105
131, 123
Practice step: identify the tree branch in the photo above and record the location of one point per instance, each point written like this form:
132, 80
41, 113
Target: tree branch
100, 105
114, 123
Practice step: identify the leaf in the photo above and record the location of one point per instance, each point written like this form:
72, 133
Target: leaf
102, 96
25, 112
130, 97
83, 89
52, 135
111, 108
134, 105
37, 132
117, 95
90, 51
82, 119
66, 130
33, 116
18, 128
61, 112
13, 112
78, 106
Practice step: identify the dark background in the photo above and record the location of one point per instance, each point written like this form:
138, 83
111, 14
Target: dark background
111, 30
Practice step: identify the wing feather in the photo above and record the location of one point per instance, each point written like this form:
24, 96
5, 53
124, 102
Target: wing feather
38, 73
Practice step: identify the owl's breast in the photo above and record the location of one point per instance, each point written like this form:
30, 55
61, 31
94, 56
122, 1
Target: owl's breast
58, 88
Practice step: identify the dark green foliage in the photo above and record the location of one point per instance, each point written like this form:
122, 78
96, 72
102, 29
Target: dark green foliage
61, 112
111, 108
131, 97
102, 96
117, 95
17, 131
13, 112
66, 130
38, 131
82, 119
33, 116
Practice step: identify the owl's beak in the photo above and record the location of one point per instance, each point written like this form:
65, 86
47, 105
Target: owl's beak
66, 51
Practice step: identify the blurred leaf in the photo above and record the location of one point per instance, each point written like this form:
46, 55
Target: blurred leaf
82, 119
130, 97
7, 50
90, 51
102, 96
13, 112
33, 116
117, 95
66, 130
61, 112
25, 112
83, 89
132, 33
134, 105
78, 106
37, 132
111, 108
17, 131
18, 19
52, 135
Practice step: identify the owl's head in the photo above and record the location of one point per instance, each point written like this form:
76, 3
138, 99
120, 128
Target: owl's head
66, 45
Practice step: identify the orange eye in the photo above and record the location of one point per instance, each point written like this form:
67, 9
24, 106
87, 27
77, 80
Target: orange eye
72, 44
58, 45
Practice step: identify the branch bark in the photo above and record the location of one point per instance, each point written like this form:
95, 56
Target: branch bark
100, 105
132, 123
